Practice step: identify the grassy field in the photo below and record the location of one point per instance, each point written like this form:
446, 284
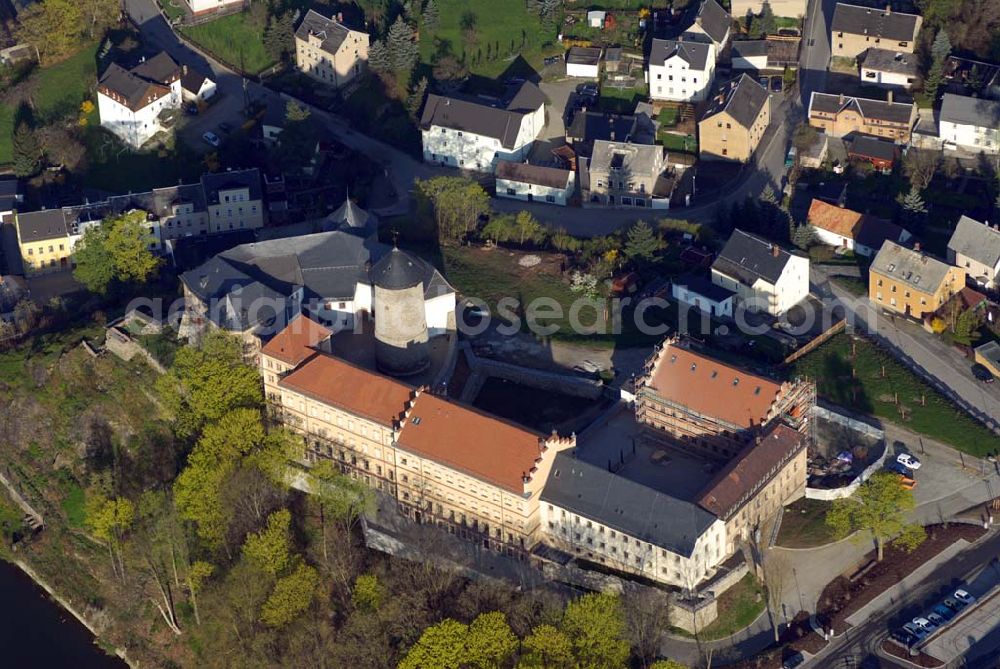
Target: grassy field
59, 90
622, 100
232, 39
681, 143
172, 8
859, 384
504, 29
804, 525
854, 285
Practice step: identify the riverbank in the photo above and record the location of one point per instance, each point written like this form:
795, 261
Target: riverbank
119, 659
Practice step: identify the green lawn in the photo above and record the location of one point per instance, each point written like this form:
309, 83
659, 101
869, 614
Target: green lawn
504, 29
622, 100
680, 143
738, 607
73, 503
173, 8
59, 90
803, 525
233, 40
668, 116
116, 170
861, 386
854, 285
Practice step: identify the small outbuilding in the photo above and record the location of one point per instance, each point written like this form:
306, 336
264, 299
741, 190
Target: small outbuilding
699, 292
534, 183
596, 18
584, 62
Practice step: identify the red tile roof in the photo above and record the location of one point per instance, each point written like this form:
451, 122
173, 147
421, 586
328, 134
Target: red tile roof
711, 388
464, 439
331, 380
295, 343
728, 490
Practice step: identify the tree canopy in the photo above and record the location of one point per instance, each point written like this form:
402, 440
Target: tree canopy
880, 506
117, 250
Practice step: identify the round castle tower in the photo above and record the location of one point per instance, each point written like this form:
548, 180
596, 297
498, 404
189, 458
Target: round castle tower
401, 347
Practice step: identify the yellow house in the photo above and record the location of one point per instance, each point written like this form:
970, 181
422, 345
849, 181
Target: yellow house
329, 51
909, 282
44, 241
734, 121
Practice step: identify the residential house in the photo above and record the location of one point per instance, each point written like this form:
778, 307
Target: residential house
988, 355
589, 126
583, 62
133, 103
856, 28
975, 247
712, 24
416, 449
911, 283
626, 526
711, 408
766, 475
699, 292
792, 9
970, 123
840, 115
879, 153
772, 54
845, 228
43, 240
202, 7
195, 86
233, 200
328, 51
889, 68
534, 183
734, 121
681, 70
622, 174
764, 276
473, 133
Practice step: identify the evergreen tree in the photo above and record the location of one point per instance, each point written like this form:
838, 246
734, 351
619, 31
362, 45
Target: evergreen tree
939, 54
431, 16
641, 243
803, 236
416, 98
378, 57
403, 48
767, 25
278, 40
27, 152
913, 204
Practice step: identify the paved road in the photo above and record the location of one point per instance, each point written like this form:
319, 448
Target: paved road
927, 354
859, 641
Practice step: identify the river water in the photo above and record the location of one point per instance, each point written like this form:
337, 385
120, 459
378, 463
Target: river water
37, 633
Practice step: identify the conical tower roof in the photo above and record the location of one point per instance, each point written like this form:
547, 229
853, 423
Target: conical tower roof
351, 215
398, 270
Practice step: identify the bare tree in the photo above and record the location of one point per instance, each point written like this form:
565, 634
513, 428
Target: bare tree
647, 613
920, 166
775, 570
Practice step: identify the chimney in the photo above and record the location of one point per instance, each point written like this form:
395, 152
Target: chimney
889, 97
775, 251
340, 17
841, 98
888, 9
916, 247
612, 135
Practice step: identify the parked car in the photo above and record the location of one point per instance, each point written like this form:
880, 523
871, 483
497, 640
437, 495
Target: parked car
918, 632
923, 623
936, 618
954, 604
777, 84
945, 612
982, 373
211, 138
908, 461
904, 636
898, 468
793, 661
964, 596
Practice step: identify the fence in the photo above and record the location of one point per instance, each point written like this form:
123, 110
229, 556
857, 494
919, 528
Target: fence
818, 341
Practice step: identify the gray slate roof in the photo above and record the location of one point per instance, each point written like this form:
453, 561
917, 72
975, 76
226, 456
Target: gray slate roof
589, 126
887, 60
480, 117
913, 268
192, 81
161, 68
624, 505
552, 177
872, 147
213, 182
714, 20
893, 112
977, 241
583, 55
695, 54
398, 269
639, 159
876, 22
742, 98
332, 33
747, 258
131, 90
970, 111
36, 226
753, 48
